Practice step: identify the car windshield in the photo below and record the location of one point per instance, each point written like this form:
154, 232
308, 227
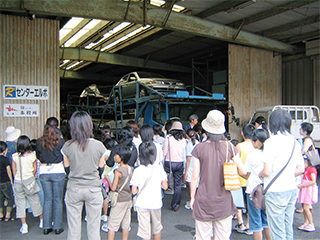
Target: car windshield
185, 110
149, 75
182, 111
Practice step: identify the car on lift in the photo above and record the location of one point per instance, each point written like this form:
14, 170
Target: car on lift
152, 81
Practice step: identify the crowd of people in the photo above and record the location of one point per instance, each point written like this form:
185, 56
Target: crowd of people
109, 179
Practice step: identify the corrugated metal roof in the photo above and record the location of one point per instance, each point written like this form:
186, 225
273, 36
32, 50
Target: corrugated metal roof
156, 44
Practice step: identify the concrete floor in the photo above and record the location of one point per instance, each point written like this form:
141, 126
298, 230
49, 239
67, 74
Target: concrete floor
176, 226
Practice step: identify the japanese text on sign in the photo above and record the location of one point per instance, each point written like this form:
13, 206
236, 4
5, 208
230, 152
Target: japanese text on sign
25, 92
20, 110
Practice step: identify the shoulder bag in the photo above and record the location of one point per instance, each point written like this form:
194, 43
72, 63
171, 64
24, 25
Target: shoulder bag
170, 174
258, 193
29, 185
113, 195
258, 197
313, 155
275, 178
230, 173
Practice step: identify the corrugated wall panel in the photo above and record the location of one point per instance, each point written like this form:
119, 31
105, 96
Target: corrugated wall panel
29, 55
297, 76
254, 82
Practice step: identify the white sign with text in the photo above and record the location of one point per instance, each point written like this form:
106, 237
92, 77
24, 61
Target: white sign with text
20, 110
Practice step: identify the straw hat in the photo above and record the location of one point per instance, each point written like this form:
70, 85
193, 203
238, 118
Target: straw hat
12, 133
214, 122
176, 126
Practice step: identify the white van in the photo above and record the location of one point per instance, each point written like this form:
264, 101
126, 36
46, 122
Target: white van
299, 115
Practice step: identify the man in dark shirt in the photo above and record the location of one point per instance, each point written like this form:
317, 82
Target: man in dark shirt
5, 183
193, 121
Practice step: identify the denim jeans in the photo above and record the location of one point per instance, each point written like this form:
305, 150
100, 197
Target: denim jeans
74, 199
52, 185
257, 217
177, 169
280, 208
41, 194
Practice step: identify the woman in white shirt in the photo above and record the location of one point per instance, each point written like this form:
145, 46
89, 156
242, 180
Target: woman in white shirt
281, 148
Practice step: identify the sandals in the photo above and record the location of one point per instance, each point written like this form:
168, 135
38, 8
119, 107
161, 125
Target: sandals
239, 229
10, 219
1, 219
302, 227
309, 228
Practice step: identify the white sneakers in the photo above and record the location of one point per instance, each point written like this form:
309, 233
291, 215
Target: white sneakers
104, 228
187, 206
104, 218
24, 229
41, 223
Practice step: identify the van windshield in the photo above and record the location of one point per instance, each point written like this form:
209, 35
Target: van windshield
257, 114
183, 110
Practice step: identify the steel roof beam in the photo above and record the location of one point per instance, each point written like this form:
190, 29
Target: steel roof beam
224, 6
288, 26
116, 59
176, 46
76, 29
86, 76
272, 12
115, 10
83, 40
302, 37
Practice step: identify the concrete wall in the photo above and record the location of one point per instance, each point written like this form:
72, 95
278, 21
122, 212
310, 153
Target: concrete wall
254, 80
29, 55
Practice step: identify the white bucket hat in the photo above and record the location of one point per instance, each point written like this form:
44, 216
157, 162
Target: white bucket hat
12, 133
214, 122
177, 126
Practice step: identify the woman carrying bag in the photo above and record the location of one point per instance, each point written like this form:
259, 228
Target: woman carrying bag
174, 147
282, 159
211, 202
